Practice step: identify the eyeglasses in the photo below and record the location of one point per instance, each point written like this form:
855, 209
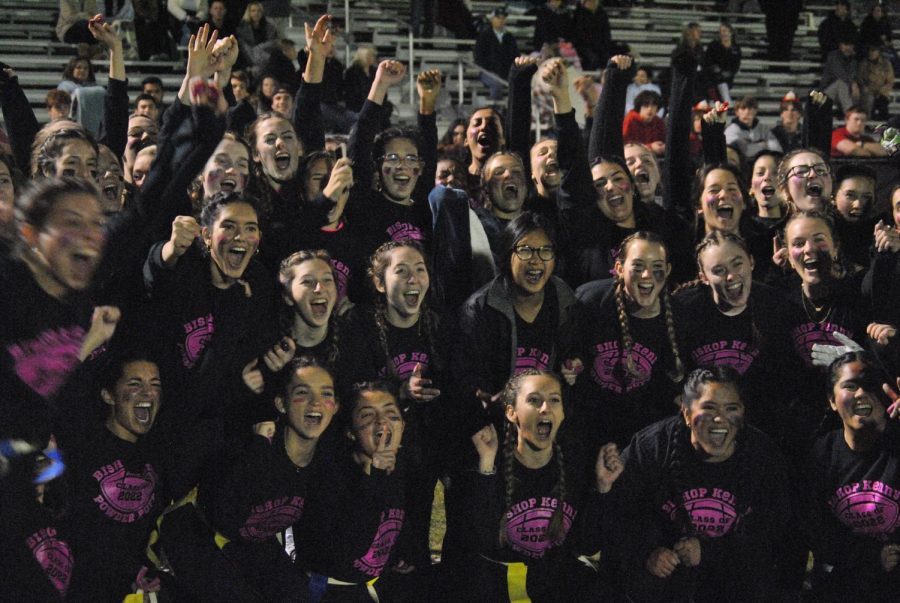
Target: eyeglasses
394, 160
821, 169
546, 253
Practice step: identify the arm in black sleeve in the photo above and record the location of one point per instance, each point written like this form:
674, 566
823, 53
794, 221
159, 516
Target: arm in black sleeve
518, 113
428, 142
238, 117
606, 131
817, 125
714, 148
114, 127
576, 182
677, 170
21, 124
483, 509
307, 117
359, 148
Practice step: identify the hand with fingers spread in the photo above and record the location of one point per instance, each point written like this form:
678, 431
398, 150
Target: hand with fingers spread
385, 456
881, 333
824, 354
277, 357
419, 388
662, 562
608, 468
486, 444
428, 85
185, 230
319, 38
688, 551
200, 51
253, 377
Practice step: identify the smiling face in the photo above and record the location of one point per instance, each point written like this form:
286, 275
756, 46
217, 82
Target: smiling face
531, 276
376, 417
723, 203
545, 167
854, 197
232, 242
134, 401
400, 169
78, 159
70, 243
642, 165
313, 292
537, 412
227, 170
277, 149
615, 197
484, 136
404, 285
808, 189
80, 72
715, 420
506, 189
283, 102
111, 180
643, 272
811, 249
727, 269
856, 399
762, 185
309, 403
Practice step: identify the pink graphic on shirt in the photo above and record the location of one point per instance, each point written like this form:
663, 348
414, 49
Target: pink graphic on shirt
45, 362
867, 507
608, 357
531, 358
404, 230
405, 364
272, 516
527, 522
808, 334
124, 496
54, 557
376, 557
342, 278
712, 511
198, 332
735, 353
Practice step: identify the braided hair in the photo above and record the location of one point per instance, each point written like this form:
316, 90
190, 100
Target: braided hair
676, 374
427, 323
556, 527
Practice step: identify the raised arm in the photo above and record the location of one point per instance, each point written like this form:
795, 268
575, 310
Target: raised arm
428, 85
677, 170
307, 116
114, 125
713, 132
518, 109
817, 122
606, 132
21, 124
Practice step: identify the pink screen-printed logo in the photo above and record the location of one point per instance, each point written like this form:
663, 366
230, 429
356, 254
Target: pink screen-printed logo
405, 364
527, 522
531, 358
54, 557
608, 357
124, 496
735, 353
376, 557
45, 362
809, 334
270, 517
342, 278
712, 511
867, 507
404, 230
198, 332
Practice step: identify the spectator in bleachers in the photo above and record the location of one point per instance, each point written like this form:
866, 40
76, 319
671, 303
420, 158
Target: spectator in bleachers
218, 19
359, 77
153, 86
840, 75
78, 72
782, 18
788, 130
185, 18
643, 126
283, 101
146, 105
723, 59
591, 34
267, 88
281, 64
456, 17
421, 14
151, 31
58, 104
746, 133
240, 85
835, 27
876, 80
641, 82
279, 12
851, 139
255, 30
876, 27
690, 44
553, 22
495, 51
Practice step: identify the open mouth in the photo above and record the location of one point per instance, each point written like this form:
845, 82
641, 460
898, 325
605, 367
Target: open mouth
534, 277
767, 191
544, 429
551, 169
282, 161
718, 435
642, 177
111, 192
812, 265
814, 190
856, 213
235, 257
511, 190
401, 179
411, 298
142, 413
313, 418
734, 291
319, 308
228, 185
645, 289
84, 261
617, 201
863, 409
726, 212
